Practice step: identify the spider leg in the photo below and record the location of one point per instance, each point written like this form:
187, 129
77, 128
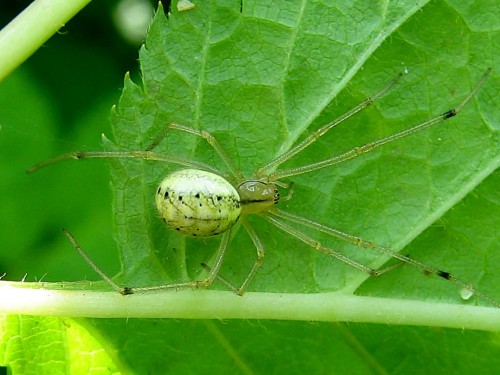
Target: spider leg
358, 151
313, 137
97, 270
196, 284
258, 262
260, 255
211, 140
148, 154
145, 155
221, 279
276, 215
274, 219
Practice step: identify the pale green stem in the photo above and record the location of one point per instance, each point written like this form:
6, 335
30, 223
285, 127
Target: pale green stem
33, 27
17, 298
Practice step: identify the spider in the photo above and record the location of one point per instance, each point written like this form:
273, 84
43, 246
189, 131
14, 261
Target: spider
199, 201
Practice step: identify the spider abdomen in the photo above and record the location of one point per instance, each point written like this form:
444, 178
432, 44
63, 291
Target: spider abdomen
198, 203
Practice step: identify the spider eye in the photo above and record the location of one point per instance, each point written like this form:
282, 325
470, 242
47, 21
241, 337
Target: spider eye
257, 196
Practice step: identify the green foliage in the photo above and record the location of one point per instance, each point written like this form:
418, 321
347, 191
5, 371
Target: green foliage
201, 69
260, 81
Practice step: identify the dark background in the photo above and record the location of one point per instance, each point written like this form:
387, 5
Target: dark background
58, 101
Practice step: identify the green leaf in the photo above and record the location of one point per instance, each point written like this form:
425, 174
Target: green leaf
39, 345
262, 80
